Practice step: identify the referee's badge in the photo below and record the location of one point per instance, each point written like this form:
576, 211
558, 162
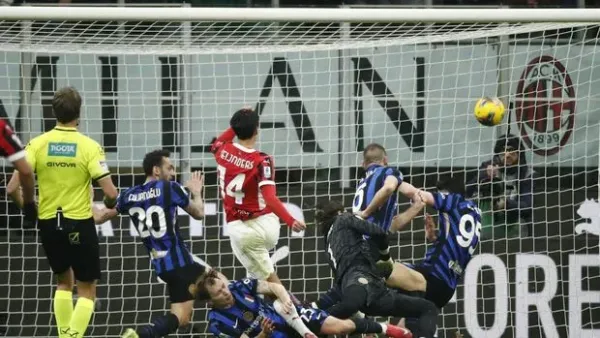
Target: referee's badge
363, 281
248, 316
74, 237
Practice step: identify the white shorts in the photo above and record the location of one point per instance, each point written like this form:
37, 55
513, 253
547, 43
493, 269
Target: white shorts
251, 241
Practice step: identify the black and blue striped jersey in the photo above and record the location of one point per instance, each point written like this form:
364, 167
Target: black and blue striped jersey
459, 233
375, 176
249, 309
152, 207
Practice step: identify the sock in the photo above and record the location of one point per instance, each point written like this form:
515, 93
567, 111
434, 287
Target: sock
63, 309
292, 319
367, 326
160, 327
81, 317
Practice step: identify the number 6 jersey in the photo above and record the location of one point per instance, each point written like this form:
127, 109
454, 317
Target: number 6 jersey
152, 208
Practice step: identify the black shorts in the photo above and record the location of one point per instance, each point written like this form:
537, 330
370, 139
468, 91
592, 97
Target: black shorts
179, 280
367, 279
71, 244
437, 291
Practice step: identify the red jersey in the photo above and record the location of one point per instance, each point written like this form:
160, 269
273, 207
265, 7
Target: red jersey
10, 145
242, 172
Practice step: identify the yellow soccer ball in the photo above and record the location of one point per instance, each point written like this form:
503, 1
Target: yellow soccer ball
489, 111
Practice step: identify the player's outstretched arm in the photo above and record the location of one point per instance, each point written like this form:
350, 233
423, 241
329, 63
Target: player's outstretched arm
196, 206
272, 201
381, 196
401, 220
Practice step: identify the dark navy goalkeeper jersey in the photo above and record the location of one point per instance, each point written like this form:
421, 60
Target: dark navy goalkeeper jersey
367, 188
152, 208
459, 230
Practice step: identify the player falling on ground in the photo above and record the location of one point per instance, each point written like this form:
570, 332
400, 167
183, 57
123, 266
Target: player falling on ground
356, 276
246, 180
66, 162
376, 200
12, 149
239, 310
152, 207
454, 244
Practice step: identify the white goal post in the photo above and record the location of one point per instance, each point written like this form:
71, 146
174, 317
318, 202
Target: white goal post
327, 82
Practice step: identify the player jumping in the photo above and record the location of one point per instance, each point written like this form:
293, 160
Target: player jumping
152, 207
356, 276
376, 201
246, 181
238, 310
454, 244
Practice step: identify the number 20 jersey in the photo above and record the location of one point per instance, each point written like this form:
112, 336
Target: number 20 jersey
152, 208
242, 172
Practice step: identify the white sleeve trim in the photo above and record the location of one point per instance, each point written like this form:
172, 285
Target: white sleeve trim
17, 156
260, 184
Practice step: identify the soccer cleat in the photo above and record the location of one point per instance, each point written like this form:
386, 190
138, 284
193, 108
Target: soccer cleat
130, 333
397, 332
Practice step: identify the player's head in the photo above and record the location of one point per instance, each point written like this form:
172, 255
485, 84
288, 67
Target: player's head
157, 165
66, 105
508, 150
325, 213
244, 123
451, 184
374, 153
213, 287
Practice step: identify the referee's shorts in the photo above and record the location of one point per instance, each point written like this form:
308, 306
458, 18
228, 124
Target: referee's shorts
71, 243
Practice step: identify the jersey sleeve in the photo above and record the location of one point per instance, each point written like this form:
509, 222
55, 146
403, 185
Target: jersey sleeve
444, 202
219, 328
224, 138
97, 166
121, 206
179, 196
10, 144
266, 170
395, 173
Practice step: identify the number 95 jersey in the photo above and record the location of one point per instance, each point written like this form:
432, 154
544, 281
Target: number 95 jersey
242, 172
152, 208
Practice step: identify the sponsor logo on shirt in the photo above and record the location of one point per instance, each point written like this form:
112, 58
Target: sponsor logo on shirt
62, 149
103, 165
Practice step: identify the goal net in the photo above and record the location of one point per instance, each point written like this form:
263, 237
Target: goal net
325, 85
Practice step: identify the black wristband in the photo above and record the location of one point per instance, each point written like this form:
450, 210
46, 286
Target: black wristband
110, 203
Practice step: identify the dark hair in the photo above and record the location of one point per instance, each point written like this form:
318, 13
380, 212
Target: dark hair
199, 289
244, 123
510, 142
451, 184
373, 153
325, 213
154, 159
66, 104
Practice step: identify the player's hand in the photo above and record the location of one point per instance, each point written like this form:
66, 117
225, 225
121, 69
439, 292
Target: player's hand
267, 327
361, 214
492, 171
195, 183
430, 228
30, 214
298, 226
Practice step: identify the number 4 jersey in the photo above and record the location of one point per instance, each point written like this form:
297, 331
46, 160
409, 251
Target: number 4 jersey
242, 173
152, 208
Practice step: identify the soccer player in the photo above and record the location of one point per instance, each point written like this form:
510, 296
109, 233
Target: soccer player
12, 149
152, 207
455, 242
238, 309
246, 180
66, 162
356, 276
376, 201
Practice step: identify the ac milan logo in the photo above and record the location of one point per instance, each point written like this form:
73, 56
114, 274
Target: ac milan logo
545, 105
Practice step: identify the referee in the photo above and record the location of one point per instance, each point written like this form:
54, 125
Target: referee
66, 162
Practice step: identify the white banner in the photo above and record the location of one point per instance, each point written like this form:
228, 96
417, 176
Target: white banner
416, 100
